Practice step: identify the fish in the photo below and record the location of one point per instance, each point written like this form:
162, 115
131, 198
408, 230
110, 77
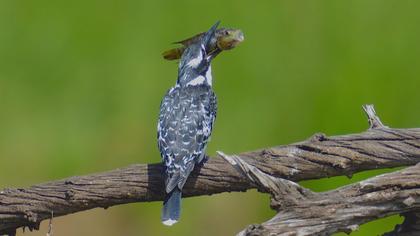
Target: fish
224, 39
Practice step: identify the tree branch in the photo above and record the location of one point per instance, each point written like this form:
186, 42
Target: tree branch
343, 209
318, 157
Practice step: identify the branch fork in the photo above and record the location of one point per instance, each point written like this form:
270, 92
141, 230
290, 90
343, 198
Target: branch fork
274, 170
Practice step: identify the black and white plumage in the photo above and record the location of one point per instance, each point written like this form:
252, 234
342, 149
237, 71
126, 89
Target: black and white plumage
187, 114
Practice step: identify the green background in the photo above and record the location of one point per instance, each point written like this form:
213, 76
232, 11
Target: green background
81, 83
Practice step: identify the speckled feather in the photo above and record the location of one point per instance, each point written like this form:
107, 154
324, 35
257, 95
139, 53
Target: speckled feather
185, 123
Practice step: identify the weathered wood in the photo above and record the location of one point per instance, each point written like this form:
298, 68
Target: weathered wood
318, 157
303, 212
136, 183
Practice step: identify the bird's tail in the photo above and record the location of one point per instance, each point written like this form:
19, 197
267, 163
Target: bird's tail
171, 207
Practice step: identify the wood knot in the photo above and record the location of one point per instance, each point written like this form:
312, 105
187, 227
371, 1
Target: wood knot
268, 153
68, 182
256, 230
318, 137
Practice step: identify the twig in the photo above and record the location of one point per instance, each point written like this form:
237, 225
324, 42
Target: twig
50, 226
373, 119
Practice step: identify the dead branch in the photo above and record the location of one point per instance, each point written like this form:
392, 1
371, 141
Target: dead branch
303, 212
318, 157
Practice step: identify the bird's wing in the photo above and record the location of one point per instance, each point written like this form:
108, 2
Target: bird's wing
185, 124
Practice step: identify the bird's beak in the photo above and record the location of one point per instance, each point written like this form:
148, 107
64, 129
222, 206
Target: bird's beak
210, 35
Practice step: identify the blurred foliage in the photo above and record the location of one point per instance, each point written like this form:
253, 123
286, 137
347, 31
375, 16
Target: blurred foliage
81, 83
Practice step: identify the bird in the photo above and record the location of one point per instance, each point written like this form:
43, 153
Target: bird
187, 114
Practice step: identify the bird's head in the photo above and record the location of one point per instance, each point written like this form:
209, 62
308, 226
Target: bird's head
194, 67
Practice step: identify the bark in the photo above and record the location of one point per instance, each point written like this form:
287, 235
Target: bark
269, 170
303, 212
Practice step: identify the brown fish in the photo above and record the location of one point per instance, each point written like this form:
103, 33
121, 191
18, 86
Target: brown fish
224, 39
